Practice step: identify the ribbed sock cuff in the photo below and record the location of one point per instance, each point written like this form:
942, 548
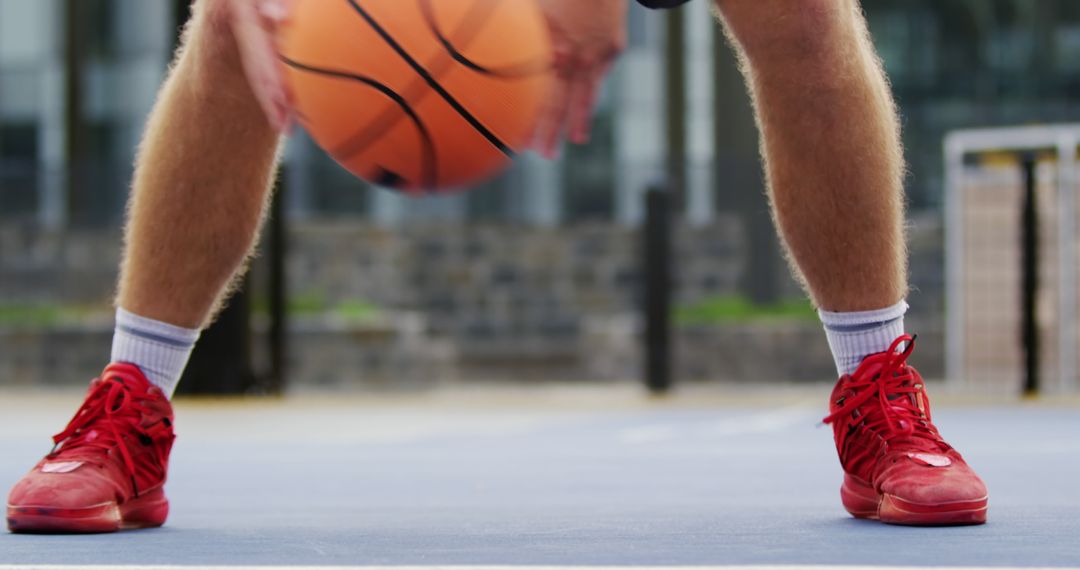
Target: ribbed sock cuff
159, 349
855, 335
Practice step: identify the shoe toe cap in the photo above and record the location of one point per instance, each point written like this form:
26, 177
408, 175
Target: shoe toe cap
63, 491
933, 485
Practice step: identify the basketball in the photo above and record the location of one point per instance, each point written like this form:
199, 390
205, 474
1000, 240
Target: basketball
418, 95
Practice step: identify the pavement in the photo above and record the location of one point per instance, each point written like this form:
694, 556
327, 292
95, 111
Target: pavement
582, 478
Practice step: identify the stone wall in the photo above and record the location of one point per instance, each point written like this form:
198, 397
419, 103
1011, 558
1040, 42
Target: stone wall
479, 302
492, 280
488, 282
75, 267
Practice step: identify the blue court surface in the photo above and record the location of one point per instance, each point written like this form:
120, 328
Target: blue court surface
554, 478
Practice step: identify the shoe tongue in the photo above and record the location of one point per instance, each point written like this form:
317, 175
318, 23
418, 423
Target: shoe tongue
914, 441
909, 442
910, 396
105, 385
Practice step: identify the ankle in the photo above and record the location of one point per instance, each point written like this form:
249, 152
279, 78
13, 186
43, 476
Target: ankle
159, 349
855, 335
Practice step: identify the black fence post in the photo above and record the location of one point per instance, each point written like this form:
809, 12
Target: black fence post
657, 294
1029, 246
221, 361
276, 251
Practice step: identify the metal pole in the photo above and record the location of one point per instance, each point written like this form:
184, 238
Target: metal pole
657, 294
955, 340
675, 106
1067, 301
1029, 329
277, 244
660, 202
75, 21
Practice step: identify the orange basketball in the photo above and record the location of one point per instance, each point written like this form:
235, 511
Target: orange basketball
418, 95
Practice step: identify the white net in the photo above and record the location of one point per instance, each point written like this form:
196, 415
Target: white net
986, 187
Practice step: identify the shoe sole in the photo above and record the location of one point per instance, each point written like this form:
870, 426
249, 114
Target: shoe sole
863, 502
146, 511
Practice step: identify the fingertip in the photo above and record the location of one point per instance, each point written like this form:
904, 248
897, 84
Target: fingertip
551, 150
540, 138
286, 120
549, 146
273, 10
582, 136
275, 122
276, 115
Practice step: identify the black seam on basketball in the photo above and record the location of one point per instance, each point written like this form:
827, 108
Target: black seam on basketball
430, 166
413, 92
514, 71
454, 103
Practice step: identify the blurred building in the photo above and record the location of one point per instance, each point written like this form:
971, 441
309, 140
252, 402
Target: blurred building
953, 63
121, 48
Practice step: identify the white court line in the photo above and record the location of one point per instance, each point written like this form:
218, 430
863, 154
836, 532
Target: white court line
524, 567
770, 421
767, 422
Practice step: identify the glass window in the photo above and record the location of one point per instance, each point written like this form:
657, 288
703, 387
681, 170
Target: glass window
334, 191
18, 170
1067, 48
1010, 49
489, 201
102, 178
637, 27
99, 25
22, 27
907, 40
589, 174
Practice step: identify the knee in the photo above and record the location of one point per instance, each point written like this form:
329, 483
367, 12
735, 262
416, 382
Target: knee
787, 30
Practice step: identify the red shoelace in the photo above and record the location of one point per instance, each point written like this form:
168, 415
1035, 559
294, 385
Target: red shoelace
111, 409
897, 414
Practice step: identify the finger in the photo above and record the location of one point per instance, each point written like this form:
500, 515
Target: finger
579, 115
259, 56
553, 117
275, 12
586, 90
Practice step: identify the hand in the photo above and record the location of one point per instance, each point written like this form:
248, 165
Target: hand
254, 24
587, 36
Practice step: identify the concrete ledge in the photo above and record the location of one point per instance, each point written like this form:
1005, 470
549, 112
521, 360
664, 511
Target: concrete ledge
399, 353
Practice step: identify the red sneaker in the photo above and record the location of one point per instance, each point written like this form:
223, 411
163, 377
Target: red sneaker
897, 468
107, 469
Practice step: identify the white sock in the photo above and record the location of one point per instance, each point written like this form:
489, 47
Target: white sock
854, 336
159, 349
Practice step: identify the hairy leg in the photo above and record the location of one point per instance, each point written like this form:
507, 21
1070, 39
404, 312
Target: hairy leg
831, 146
202, 179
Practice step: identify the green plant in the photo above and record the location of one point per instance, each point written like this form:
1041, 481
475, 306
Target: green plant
738, 309
37, 314
356, 311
